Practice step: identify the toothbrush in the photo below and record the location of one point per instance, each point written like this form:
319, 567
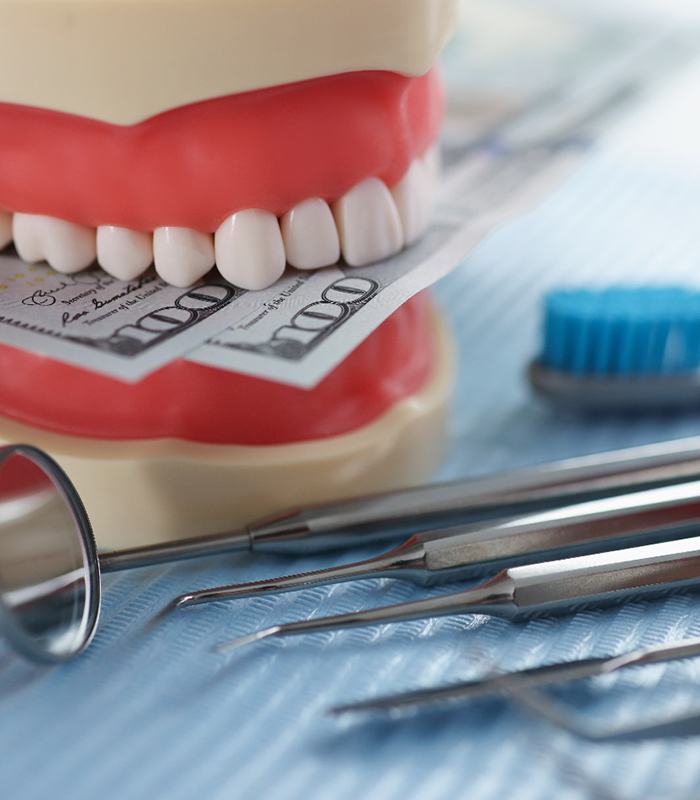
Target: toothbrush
620, 348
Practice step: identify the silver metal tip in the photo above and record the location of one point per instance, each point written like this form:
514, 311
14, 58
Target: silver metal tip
339, 711
381, 705
161, 615
183, 601
243, 641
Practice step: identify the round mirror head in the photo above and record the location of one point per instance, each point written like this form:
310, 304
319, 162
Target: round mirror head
49, 571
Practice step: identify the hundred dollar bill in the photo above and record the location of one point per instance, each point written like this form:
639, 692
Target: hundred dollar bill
94, 321
302, 328
520, 117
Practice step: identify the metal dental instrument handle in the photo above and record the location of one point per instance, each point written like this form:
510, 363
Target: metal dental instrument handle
392, 516
50, 571
545, 588
526, 679
522, 687
463, 551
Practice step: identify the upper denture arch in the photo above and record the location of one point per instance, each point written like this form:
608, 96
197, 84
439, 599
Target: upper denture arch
195, 165
124, 61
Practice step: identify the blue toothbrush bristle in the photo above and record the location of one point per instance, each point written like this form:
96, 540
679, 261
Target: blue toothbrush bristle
625, 331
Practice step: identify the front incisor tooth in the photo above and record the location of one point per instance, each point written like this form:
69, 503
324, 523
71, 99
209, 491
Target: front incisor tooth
182, 256
66, 246
124, 253
249, 249
310, 236
368, 223
5, 229
413, 196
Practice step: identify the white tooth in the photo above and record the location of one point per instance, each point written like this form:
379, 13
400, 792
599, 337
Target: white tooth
368, 223
310, 236
122, 252
249, 249
413, 195
182, 255
66, 246
5, 229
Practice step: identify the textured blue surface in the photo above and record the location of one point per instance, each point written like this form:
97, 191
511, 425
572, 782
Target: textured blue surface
622, 330
154, 714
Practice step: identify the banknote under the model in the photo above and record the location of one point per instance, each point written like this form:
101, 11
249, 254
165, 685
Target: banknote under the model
507, 143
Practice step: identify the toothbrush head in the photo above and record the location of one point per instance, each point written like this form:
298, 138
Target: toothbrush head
620, 347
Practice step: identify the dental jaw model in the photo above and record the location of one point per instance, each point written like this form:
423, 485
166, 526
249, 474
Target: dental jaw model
246, 134
193, 450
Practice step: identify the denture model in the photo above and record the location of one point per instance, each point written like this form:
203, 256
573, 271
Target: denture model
250, 133
243, 133
192, 450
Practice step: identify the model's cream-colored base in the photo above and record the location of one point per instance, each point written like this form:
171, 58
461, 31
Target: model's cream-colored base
121, 61
139, 492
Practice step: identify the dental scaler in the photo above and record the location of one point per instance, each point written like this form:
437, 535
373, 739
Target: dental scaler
463, 551
551, 587
50, 567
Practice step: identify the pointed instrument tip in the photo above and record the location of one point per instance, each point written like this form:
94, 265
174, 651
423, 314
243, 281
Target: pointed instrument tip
378, 706
182, 601
161, 615
212, 595
340, 711
243, 641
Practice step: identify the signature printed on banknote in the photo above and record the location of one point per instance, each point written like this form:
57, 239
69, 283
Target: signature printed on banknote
296, 332
90, 319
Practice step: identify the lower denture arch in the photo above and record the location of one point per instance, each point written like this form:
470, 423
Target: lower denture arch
194, 166
192, 402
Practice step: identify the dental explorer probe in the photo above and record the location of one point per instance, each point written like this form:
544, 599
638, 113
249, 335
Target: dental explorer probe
50, 569
522, 680
465, 551
552, 587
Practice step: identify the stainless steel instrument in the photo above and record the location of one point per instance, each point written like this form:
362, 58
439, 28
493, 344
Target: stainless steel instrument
455, 553
50, 569
523, 680
549, 587
392, 516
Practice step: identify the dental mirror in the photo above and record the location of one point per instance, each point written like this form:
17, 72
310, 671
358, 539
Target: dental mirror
49, 570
